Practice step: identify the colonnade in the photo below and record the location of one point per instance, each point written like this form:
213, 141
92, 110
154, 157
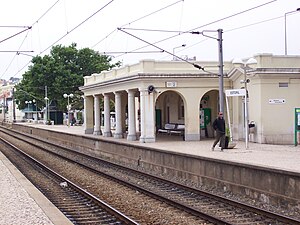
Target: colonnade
145, 117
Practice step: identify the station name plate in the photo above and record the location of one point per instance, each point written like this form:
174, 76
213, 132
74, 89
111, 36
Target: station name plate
171, 84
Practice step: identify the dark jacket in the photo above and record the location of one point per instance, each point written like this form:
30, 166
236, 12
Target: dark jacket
219, 125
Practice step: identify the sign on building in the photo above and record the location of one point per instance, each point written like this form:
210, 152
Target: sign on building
297, 126
277, 101
171, 84
235, 92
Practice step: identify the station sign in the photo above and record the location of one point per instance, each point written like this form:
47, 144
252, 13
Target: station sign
235, 92
277, 101
297, 126
171, 84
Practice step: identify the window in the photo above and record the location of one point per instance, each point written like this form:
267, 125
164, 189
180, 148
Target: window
180, 108
283, 84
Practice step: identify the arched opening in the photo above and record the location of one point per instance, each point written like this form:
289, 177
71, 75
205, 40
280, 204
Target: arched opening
169, 114
208, 110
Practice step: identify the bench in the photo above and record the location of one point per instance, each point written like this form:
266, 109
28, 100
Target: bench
167, 128
172, 128
179, 129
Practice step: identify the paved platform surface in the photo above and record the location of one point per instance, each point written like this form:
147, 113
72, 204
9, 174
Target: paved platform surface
21, 203
285, 157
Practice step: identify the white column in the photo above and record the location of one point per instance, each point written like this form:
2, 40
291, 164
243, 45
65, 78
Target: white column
107, 127
131, 117
88, 114
119, 128
85, 125
191, 115
97, 130
147, 116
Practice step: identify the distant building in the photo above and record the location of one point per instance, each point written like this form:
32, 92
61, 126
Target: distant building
8, 110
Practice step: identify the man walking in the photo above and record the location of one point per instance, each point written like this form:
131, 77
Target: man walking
219, 126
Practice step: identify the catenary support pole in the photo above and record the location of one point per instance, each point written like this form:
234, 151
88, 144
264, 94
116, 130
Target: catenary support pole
221, 84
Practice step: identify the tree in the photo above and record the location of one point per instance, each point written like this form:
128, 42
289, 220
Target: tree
61, 72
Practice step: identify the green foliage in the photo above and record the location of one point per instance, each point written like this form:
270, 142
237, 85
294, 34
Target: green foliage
62, 72
227, 132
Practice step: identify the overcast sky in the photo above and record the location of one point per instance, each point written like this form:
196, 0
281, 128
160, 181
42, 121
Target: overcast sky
51, 25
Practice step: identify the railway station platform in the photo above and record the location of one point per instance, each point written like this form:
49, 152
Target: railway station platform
22, 203
285, 157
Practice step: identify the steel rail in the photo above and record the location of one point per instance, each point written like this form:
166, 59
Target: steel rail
112, 211
272, 215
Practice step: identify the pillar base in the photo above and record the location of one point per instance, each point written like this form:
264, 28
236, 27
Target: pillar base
97, 132
89, 131
107, 134
131, 137
192, 137
147, 139
118, 135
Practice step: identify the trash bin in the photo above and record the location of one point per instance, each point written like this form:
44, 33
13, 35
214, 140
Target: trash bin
226, 142
252, 127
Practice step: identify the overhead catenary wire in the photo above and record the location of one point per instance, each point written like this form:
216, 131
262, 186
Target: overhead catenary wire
68, 32
26, 37
74, 28
233, 15
226, 31
195, 65
5, 39
13, 26
51, 7
15, 55
238, 28
207, 24
105, 53
154, 30
136, 20
180, 33
162, 50
194, 32
16, 51
253, 24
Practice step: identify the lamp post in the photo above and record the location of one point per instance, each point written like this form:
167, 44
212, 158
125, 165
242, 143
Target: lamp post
245, 66
28, 103
14, 105
3, 111
46, 110
68, 106
174, 57
285, 33
35, 102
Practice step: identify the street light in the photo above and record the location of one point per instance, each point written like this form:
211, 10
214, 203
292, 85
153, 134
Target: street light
174, 57
68, 107
28, 103
35, 102
285, 35
245, 66
3, 111
46, 110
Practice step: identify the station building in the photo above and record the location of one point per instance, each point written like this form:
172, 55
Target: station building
151, 95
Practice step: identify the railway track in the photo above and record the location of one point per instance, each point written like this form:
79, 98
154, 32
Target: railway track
212, 208
78, 205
